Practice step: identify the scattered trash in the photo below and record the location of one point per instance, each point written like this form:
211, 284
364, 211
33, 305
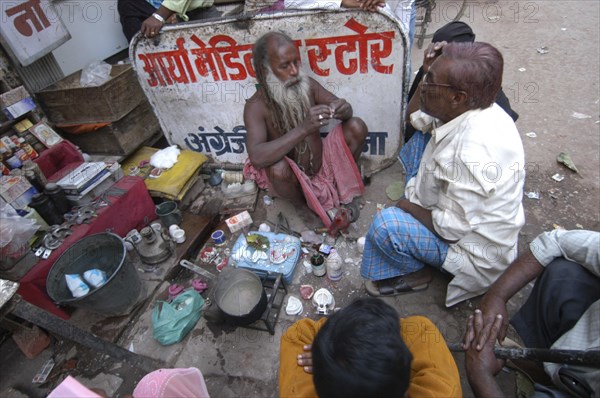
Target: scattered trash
565, 159
317, 262
215, 179
533, 195
558, 177
340, 222
264, 227
156, 172
349, 261
543, 50
294, 306
199, 285
334, 266
563, 29
531, 134
380, 206
267, 200
95, 277
324, 301
175, 290
307, 267
310, 237
557, 226
43, 373
522, 69
360, 244
578, 115
307, 291
131, 348
395, 190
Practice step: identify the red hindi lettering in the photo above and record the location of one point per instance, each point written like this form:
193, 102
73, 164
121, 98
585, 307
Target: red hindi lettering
30, 16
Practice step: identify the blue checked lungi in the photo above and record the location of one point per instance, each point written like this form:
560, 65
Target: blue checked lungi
411, 153
397, 243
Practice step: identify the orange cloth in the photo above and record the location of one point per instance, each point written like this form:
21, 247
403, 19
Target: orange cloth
433, 370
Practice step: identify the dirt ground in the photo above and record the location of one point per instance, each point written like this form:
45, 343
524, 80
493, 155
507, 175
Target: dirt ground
556, 94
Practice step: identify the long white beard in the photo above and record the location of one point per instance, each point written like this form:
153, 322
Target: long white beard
293, 99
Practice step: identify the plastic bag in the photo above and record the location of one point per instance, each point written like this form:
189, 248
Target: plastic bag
172, 321
15, 232
95, 74
165, 158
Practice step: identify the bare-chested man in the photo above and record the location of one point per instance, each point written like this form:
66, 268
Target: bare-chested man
283, 119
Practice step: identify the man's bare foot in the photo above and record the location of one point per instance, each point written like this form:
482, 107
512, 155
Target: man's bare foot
310, 219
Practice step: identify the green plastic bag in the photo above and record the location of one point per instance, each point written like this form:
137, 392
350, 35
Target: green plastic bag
172, 321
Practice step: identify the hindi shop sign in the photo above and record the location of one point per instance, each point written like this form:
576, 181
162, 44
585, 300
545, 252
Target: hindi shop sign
32, 28
198, 76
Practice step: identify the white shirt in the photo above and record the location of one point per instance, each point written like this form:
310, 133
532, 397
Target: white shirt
581, 247
471, 178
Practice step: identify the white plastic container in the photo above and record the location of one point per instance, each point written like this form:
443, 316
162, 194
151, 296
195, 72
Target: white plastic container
334, 266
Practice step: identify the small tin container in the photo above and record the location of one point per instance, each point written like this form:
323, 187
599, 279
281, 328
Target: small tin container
218, 237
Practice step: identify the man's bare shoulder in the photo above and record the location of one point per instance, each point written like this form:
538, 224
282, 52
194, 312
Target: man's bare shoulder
257, 99
256, 113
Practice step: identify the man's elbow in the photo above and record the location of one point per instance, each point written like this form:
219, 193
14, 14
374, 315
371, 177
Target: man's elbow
258, 162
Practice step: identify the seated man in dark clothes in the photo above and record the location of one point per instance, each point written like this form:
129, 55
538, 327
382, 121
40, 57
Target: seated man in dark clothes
149, 16
561, 313
459, 32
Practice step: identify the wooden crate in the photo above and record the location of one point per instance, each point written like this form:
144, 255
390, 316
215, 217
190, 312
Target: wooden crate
67, 102
121, 137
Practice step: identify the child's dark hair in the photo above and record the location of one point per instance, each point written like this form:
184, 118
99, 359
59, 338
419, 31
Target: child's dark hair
359, 352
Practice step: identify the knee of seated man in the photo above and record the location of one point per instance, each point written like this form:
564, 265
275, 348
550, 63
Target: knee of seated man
357, 127
561, 268
280, 172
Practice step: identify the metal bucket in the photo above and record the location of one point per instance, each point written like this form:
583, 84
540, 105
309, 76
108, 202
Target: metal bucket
240, 296
106, 252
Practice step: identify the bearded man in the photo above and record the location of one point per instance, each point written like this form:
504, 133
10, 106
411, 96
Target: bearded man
283, 120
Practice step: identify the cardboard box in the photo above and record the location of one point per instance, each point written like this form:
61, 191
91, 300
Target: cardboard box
239, 221
67, 102
13, 96
16, 191
114, 174
16, 103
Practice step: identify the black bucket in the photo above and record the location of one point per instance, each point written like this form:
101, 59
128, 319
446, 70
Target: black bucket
106, 252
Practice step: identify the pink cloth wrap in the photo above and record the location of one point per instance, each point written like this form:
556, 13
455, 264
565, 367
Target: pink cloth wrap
72, 388
338, 180
172, 383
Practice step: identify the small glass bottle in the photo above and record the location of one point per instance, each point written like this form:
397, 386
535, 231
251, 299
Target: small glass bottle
318, 264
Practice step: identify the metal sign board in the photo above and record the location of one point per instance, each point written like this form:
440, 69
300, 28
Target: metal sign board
32, 28
198, 76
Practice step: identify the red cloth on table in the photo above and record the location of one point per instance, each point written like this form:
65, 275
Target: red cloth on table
134, 209
338, 180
